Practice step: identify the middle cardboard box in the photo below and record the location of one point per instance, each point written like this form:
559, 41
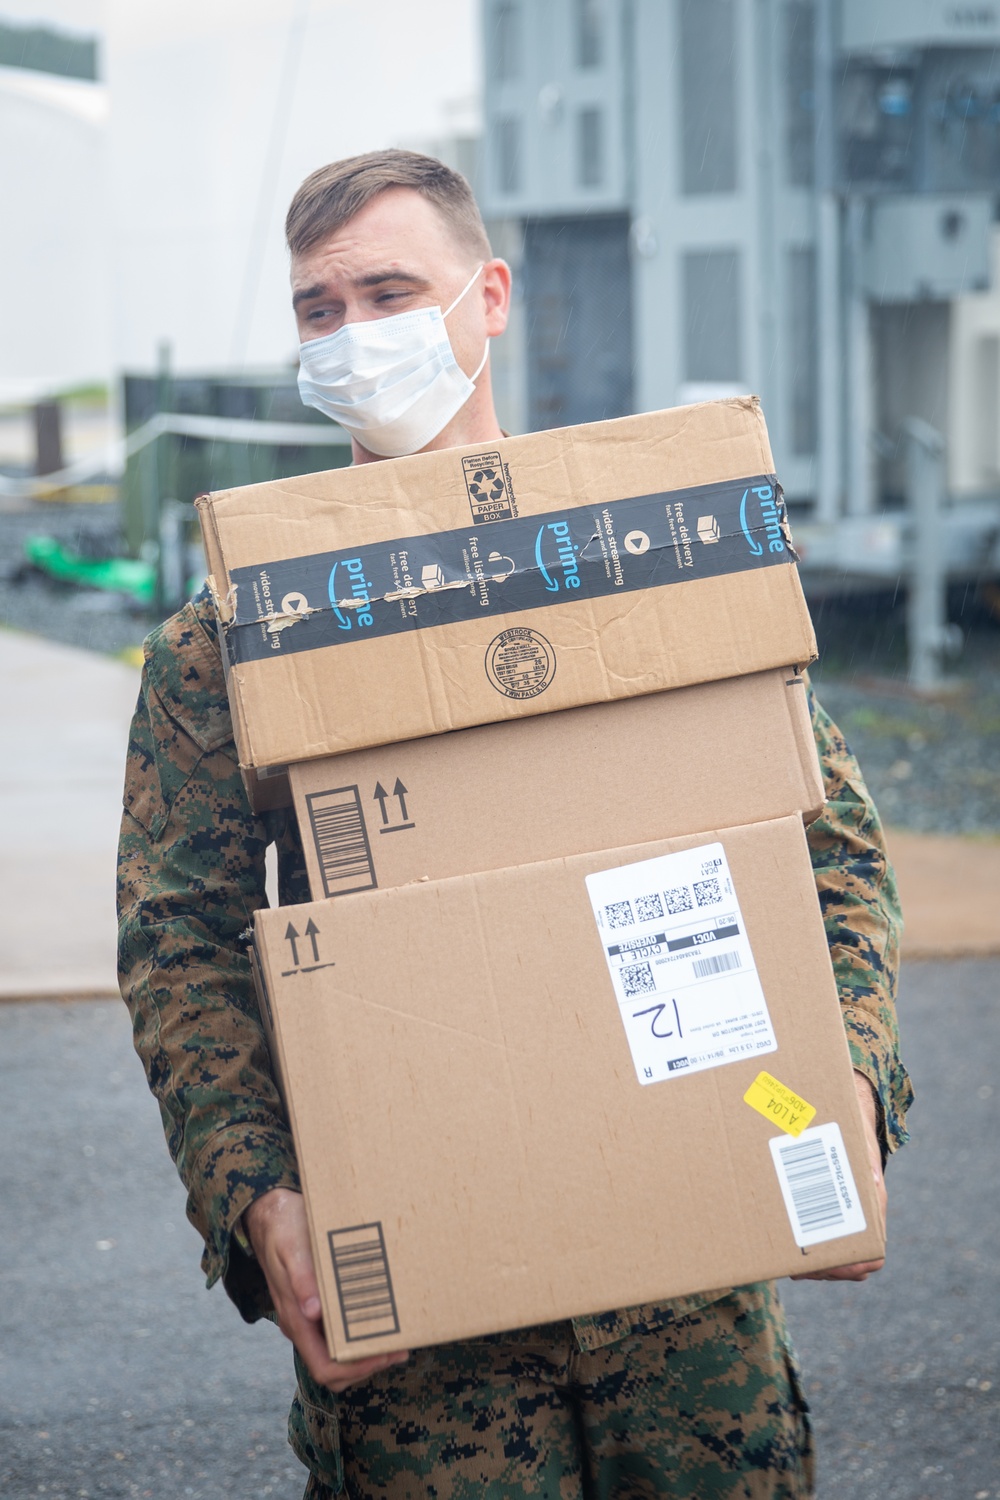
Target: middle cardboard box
710, 756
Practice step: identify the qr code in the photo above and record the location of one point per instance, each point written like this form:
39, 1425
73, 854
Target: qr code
648, 908
637, 979
678, 899
619, 914
707, 892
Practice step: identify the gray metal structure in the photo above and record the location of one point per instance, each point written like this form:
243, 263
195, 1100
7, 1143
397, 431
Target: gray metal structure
779, 196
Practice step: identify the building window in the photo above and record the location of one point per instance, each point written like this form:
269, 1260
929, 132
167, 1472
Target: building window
707, 31
590, 148
505, 49
800, 92
713, 345
801, 352
578, 319
507, 135
587, 19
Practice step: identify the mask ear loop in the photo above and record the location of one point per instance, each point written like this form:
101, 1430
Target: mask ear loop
482, 363
451, 309
486, 352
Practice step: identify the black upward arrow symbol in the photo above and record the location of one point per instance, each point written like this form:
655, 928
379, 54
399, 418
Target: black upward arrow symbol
311, 931
381, 796
399, 790
292, 937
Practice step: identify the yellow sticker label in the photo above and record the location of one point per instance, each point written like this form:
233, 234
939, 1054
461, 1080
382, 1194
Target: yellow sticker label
778, 1104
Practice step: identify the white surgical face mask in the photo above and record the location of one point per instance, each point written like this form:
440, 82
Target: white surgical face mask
394, 383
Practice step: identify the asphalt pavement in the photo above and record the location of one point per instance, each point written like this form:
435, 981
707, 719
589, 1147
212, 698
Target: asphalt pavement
120, 1376
903, 1371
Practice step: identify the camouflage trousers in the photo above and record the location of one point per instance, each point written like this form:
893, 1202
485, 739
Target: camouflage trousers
708, 1407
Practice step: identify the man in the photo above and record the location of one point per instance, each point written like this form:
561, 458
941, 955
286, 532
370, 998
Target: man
396, 295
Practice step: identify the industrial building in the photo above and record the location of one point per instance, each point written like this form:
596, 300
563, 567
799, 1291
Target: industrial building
797, 198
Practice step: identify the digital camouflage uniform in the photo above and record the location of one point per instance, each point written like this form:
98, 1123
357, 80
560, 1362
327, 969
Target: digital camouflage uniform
564, 1410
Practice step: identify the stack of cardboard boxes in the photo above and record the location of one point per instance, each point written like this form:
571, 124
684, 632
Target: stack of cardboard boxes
558, 1032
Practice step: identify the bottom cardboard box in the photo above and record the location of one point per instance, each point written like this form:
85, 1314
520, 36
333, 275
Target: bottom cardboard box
552, 1090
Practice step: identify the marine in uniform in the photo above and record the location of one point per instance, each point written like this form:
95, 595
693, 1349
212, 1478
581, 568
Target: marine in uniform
699, 1397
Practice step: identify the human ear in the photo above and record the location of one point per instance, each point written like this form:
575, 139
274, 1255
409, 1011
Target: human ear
496, 296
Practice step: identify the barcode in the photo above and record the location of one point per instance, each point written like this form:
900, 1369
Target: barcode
364, 1286
341, 840
716, 963
678, 900
811, 1185
637, 979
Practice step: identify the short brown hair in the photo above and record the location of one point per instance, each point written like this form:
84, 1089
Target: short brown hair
332, 195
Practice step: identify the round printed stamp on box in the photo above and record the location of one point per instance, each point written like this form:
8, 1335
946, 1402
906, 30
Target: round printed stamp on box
520, 663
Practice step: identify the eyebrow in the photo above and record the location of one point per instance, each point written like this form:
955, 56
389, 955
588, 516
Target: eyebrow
370, 279
376, 278
307, 294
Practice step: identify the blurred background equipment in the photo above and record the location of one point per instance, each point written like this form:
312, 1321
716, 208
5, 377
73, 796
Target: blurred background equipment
186, 435
793, 197
48, 437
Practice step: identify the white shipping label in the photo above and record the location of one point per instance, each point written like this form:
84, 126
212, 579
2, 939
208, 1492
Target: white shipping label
681, 964
817, 1185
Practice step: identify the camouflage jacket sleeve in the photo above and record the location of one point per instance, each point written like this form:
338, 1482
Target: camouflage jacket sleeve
860, 905
190, 874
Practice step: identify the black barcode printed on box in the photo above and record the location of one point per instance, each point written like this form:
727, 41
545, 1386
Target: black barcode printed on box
364, 1286
716, 963
809, 1174
341, 840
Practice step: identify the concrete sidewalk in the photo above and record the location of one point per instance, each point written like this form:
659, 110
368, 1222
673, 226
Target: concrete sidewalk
950, 890
62, 759
61, 764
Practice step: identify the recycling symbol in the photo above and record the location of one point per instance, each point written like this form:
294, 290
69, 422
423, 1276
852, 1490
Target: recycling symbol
478, 486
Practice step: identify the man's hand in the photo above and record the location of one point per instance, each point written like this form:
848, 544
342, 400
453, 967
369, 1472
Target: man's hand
861, 1270
277, 1229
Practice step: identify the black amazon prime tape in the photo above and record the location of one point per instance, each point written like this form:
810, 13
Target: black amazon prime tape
528, 562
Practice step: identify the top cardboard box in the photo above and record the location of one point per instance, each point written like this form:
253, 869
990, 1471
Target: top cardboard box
401, 599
